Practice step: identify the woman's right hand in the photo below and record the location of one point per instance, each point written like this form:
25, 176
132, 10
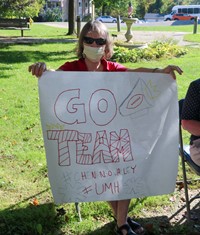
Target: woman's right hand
37, 69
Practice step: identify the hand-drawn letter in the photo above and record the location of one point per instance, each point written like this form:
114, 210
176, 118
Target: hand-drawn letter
74, 111
104, 109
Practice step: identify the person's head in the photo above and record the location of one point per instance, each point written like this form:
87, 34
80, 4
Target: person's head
95, 30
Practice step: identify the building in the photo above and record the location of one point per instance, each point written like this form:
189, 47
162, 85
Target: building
83, 8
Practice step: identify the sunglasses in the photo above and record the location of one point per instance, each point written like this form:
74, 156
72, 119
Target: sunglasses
99, 41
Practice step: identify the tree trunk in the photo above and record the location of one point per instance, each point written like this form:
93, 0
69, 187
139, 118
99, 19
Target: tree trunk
103, 9
71, 17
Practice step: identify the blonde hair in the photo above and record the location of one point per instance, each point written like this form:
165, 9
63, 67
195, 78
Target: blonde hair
100, 28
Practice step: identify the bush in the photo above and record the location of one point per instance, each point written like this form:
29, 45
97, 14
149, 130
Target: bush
51, 15
86, 18
155, 50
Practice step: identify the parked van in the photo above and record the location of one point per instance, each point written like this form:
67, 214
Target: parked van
169, 17
192, 10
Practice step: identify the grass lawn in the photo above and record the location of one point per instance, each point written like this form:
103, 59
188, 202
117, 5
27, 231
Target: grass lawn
26, 202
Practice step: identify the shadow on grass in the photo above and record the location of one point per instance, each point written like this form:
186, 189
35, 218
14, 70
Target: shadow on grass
12, 57
108, 228
184, 22
175, 224
150, 224
30, 220
158, 225
9, 58
41, 219
33, 41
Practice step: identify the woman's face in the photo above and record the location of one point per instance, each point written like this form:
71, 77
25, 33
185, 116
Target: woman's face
94, 45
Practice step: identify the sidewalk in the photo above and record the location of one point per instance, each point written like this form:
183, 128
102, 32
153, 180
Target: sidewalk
149, 36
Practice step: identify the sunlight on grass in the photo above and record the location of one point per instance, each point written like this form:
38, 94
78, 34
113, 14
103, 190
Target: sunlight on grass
192, 38
39, 31
170, 28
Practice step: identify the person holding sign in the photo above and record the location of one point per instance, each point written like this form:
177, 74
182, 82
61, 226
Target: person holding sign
94, 51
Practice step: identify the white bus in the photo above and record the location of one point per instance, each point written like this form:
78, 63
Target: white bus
193, 10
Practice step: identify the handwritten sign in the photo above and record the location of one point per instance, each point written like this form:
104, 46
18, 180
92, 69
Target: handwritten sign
109, 136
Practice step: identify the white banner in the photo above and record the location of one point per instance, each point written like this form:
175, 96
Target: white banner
109, 135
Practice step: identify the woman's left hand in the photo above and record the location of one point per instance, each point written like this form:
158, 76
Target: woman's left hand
171, 69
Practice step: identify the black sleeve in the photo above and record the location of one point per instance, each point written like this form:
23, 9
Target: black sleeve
191, 106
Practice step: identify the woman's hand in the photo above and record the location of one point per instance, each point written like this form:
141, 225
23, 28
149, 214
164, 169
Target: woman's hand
171, 69
37, 69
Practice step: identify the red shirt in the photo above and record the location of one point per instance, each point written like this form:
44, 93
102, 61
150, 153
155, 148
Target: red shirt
79, 65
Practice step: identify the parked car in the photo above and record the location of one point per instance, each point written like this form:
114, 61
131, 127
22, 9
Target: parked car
107, 19
182, 16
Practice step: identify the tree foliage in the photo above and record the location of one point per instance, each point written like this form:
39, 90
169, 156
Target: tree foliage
119, 7
111, 7
140, 7
20, 8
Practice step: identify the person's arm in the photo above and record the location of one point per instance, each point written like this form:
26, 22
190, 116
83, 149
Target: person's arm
192, 126
170, 69
191, 109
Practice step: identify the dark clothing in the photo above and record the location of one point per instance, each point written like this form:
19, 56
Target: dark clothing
191, 106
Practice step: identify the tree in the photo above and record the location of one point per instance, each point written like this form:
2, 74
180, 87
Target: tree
113, 7
143, 7
71, 16
155, 7
167, 6
20, 8
121, 7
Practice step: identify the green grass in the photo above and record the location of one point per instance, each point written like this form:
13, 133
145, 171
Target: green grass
38, 31
192, 38
169, 28
22, 158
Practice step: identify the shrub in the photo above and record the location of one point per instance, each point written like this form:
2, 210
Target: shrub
86, 18
155, 50
51, 15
